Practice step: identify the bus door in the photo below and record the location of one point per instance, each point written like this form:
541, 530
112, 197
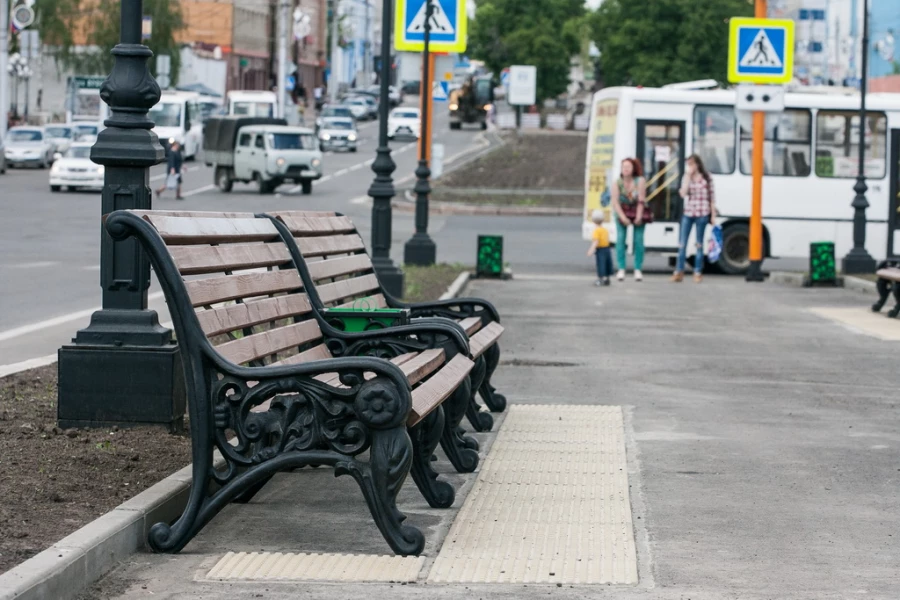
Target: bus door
893, 242
660, 148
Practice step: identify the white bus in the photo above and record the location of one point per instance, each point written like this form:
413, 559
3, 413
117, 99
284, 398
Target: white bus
811, 161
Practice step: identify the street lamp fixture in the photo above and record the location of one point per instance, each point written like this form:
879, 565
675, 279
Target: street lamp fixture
124, 367
382, 188
858, 260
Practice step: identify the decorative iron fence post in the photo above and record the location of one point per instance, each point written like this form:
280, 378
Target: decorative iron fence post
124, 367
382, 188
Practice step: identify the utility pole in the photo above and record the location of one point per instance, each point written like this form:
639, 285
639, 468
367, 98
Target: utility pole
754, 273
4, 64
283, 8
367, 55
333, 80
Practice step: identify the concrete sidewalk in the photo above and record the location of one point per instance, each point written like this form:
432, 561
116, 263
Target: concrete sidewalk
762, 440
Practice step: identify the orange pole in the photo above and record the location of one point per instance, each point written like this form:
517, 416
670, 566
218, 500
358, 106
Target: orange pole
756, 229
426, 95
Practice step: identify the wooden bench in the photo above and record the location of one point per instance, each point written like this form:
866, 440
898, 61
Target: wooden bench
264, 388
888, 283
342, 272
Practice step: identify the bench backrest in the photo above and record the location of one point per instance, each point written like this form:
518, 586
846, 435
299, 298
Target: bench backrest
245, 289
336, 258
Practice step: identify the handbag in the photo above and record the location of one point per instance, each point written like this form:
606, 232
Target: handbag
172, 181
630, 210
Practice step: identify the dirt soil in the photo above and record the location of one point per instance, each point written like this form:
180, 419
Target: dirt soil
429, 283
531, 161
54, 481
525, 200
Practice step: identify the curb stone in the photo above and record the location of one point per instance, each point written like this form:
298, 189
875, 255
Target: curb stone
66, 568
847, 281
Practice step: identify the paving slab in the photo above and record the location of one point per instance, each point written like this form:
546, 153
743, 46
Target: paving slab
762, 447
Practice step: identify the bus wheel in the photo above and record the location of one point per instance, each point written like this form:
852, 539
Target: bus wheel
735, 257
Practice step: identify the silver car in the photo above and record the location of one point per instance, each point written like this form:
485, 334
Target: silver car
338, 133
61, 136
28, 146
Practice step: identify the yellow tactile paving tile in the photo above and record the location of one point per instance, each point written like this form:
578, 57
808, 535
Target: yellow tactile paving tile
863, 320
550, 504
278, 566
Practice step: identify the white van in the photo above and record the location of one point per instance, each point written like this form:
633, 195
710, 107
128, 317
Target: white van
178, 117
252, 103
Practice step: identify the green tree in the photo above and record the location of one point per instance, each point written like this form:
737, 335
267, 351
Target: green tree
57, 20
543, 33
655, 42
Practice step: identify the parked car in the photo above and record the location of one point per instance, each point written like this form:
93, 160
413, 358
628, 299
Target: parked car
404, 122
395, 94
358, 106
337, 110
338, 133
28, 146
263, 150
87, 131
61, 136
411, 87
2, 158
74, 169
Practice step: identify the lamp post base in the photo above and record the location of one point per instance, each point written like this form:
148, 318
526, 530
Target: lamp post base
390, 276
857, 262
420, 250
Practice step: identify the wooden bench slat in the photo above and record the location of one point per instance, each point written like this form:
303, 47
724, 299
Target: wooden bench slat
247, 314
333, 244
320, 352
422, 365
438, 388
266, 343
245, 285
470, 325
889, 273
194, 213
485, 338
376, 301
403, 359
337, 267
340, 291
211, 230
316, 225
194, 260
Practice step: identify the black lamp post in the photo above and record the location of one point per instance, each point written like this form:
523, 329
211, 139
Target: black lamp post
858, 260
124, 367
382, 188
420, 249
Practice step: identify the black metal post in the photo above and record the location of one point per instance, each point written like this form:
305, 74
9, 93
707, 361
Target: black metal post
420, 249
382, 188
124, 368
858, 260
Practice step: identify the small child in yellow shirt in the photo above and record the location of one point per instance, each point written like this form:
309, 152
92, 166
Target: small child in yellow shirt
600, 249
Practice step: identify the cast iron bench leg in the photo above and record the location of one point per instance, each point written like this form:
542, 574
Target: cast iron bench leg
895, 290
494, 401
425, 437
456, 445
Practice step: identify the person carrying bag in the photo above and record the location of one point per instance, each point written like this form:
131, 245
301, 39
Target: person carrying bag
629, 201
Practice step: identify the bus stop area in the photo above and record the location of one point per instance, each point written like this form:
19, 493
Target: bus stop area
733, 440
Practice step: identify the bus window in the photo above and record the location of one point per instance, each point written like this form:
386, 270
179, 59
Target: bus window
788, 144
837, 144
714, 138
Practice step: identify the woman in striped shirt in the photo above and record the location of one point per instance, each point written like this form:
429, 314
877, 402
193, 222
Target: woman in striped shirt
699, 211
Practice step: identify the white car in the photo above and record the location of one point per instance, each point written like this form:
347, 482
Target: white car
87, 131
61, 136
74, 170
337, 133
357, 106
404, 122
28, 146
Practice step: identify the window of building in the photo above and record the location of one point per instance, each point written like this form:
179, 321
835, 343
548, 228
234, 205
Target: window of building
714, 128
788, 144
818, 15
804, 14
815, 46
837, 144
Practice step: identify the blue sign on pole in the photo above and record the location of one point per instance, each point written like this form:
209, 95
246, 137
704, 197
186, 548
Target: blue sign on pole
760, 51
441, 91
447, 25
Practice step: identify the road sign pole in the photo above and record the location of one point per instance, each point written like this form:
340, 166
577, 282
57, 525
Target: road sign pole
754, 273
420, 249
4, 62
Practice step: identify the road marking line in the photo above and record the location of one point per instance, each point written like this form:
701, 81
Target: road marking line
60, 320
342, 172
205, 188
360, 200
31, 265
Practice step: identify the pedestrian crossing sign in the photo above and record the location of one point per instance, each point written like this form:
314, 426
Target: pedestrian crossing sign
448, 25
761, 51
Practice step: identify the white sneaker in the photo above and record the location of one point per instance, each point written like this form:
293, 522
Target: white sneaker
638, 276
620, 275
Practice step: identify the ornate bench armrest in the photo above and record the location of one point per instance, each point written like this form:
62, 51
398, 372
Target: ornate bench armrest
400, 339
454, 308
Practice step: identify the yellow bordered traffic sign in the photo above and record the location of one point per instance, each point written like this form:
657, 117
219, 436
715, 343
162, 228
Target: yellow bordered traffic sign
448, 26
760, 50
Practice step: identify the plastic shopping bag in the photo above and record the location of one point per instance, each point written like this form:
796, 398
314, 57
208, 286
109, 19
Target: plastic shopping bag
715, 244
172, 181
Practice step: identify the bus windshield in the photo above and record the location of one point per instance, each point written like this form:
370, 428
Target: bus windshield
252, 109
166, 115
